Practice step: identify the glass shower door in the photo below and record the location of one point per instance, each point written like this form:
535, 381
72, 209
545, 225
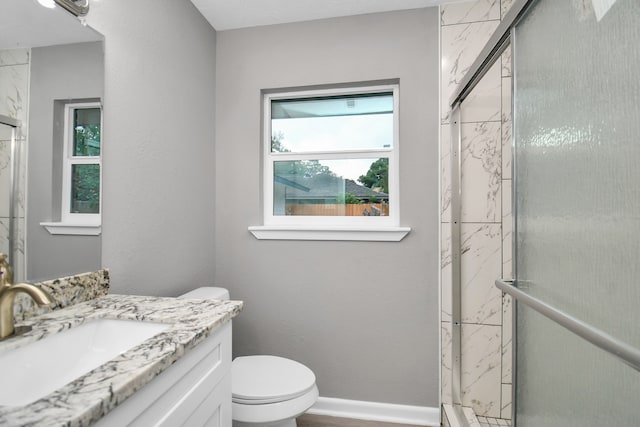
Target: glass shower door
577, 209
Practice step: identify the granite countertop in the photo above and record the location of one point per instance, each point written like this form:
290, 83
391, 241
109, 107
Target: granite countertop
87, 399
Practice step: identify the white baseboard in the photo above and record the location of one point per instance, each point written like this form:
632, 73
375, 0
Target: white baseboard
374, 411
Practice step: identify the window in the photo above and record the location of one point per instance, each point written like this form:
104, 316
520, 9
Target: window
331, 161
81, 171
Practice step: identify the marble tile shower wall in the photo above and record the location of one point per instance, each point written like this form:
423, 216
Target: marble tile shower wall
486, 209
14, 96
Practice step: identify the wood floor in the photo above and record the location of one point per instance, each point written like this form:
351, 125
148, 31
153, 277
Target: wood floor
308, 420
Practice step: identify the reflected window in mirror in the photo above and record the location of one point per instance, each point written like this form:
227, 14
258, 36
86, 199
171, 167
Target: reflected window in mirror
82, 164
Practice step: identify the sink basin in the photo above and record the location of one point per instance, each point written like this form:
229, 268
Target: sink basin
37, 369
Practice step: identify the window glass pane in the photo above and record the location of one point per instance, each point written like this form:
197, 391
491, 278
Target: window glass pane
86, 135
341, 123
85, 189
346, 187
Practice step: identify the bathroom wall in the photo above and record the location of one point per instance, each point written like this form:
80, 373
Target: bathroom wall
486, 209
58, 73
159, 161
362, 315
14, 102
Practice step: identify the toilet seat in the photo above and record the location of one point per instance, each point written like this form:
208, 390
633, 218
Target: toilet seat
260, 380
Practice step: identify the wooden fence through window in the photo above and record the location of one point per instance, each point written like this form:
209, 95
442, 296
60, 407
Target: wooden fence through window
336, 209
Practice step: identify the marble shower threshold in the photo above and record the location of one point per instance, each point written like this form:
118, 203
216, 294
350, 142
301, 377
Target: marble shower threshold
449, 419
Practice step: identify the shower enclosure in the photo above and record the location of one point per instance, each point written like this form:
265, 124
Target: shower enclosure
11, 154
576, 210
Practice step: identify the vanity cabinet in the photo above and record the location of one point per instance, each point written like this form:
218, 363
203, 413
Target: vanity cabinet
194, 391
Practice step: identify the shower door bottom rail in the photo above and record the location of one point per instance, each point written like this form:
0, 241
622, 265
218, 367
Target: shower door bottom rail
625, 352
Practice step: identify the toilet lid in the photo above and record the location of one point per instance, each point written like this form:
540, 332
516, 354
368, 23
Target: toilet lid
269, 379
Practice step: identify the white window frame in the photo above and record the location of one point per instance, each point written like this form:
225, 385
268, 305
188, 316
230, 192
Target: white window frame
385, 228
76, 223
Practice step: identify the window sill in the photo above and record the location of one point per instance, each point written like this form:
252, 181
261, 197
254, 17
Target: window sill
72, 229
369, 234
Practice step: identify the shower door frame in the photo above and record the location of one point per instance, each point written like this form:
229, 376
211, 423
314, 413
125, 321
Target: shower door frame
503, 37
14, 124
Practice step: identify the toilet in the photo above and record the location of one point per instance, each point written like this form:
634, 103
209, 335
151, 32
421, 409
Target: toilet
267, 391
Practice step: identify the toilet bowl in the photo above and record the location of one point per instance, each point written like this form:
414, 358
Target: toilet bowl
267, 391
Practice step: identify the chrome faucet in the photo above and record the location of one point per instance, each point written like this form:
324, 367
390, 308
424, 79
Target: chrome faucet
8, 293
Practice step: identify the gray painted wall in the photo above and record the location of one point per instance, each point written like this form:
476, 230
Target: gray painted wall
158, 161
362, 315
63, 72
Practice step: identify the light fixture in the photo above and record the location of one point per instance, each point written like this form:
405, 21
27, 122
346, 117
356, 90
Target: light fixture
47, 3
77, 8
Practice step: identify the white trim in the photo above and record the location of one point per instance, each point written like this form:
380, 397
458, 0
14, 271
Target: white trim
371, 234
308, 222
72, 229
374, 411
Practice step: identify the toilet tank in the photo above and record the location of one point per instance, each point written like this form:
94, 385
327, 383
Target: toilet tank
207, 292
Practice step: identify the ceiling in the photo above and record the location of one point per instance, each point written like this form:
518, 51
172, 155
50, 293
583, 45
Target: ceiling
24, 23
231, 14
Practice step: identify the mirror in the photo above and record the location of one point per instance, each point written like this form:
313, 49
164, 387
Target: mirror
48, 59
